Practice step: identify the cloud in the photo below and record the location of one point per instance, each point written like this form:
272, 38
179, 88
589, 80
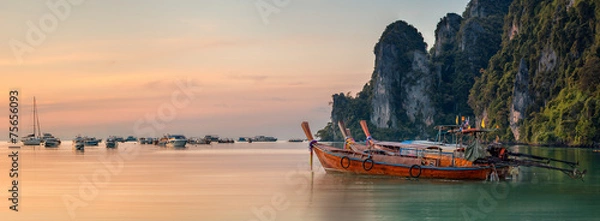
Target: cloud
254, 78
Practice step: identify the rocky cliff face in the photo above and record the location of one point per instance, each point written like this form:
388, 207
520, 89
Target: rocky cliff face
401, 78
410, 89
385, 74
529, 68
434, 88
520, 100
445, 34
463, 51
486, 8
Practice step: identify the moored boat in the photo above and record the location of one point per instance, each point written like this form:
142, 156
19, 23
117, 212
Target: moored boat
176, 141
347, 161
226, 140
197, 140
78, 143
35, 138
211, 138
50, 141
418, 161
414, 161
130, 139
31, 140
91, 141
111, 142
262, 139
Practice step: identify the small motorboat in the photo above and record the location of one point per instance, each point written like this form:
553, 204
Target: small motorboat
111, 142
78, 143
176, 141
51, 142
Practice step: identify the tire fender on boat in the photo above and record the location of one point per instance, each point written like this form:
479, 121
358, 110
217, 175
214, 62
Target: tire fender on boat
410, 171
342, 162
364, 164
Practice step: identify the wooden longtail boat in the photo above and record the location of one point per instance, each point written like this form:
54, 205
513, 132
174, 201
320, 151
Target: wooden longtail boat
419, 164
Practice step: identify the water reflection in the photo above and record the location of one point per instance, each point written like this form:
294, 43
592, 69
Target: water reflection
273, 182
535, 194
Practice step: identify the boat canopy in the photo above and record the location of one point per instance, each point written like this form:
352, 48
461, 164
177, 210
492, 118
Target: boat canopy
475, 150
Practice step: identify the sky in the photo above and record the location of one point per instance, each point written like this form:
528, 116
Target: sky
233, 68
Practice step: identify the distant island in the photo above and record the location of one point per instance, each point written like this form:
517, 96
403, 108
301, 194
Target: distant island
529, 69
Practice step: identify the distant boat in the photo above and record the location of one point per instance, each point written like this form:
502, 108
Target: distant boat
50, 141
197, 140
118, 139
263, 139
111, 142
35, 138
131, 139
212, 138
162, 141
91, 141
176, 141
226, 140
296, 140
145, 140
78, 143
31, 140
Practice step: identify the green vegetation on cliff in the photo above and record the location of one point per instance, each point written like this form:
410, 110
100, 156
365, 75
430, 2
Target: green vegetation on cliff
554, 48
530, 68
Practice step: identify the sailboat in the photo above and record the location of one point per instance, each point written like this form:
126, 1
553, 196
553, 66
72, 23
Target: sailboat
36, 137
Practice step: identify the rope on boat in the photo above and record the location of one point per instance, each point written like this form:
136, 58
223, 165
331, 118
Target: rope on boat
499, 156
310, 145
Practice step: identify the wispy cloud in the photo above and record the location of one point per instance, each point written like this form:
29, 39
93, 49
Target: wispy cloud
255, 78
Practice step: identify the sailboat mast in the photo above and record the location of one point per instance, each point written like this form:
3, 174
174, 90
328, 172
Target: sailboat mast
37, 118
33, 117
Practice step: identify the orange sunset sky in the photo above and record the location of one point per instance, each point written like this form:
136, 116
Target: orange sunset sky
258, 67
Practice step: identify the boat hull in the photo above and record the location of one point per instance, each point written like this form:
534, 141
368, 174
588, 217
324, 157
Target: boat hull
111, 144
176, 143
91, 143
357, 163
32, 141
51, 144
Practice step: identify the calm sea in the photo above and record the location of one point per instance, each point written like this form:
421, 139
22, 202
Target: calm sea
272, 181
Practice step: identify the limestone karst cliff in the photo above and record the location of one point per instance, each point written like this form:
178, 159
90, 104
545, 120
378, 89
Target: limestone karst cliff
530, 69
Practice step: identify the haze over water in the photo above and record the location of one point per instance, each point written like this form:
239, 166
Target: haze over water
271, 181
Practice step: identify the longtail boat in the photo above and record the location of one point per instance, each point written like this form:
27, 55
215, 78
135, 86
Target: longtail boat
415, 162
419, 161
